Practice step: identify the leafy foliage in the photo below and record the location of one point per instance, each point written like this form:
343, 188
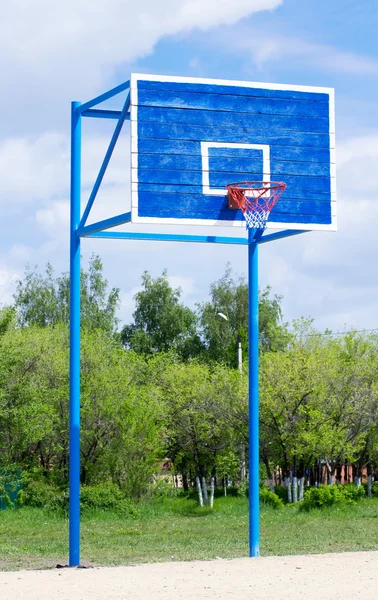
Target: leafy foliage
121, 430
328, 495
171, 391
43, 300
106, 496
269, 498
229, 295
42, 494
161, 322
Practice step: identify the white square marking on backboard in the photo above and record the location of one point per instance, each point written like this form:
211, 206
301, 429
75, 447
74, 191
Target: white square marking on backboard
206, 189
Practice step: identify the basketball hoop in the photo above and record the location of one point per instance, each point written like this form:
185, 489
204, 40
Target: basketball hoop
255, 199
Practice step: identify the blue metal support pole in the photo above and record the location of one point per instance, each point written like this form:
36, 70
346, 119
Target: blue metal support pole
74, 458
253, 396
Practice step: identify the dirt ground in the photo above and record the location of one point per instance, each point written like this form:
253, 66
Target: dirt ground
320, 577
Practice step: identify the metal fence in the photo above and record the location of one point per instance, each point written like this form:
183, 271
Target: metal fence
10, 487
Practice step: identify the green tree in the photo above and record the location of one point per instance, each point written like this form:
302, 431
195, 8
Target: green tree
229, 295
7, 319
352, 403
121, 435
44, 299
122, 422
196, 397
293, 391
319, 403
161, 322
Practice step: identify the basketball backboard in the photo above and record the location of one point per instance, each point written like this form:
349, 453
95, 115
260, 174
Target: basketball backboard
191, 137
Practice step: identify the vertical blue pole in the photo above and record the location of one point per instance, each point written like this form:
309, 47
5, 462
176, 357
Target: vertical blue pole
74, 460
253, 396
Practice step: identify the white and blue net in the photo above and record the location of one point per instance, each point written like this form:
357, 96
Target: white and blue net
256, 199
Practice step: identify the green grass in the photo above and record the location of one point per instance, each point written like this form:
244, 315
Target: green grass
177, 529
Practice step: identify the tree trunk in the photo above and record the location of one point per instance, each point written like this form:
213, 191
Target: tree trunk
288, 485
301, 488
185, 484
225, 481
204, 487
212, 490
295, 489
357, 475
243, 468
268, 472
331, 473
200, 498
369, 484
338, 473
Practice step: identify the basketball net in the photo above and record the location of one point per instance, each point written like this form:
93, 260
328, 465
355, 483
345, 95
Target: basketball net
256, 200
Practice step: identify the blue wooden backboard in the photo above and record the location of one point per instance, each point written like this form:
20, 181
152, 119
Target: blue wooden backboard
191, 137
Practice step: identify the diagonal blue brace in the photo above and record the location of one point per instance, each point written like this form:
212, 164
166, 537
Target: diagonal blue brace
105, 162
106, 96
106, 224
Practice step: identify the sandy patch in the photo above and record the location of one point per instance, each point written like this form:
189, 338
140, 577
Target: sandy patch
318, 577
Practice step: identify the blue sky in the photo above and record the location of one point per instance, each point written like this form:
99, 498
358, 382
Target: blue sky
77, 49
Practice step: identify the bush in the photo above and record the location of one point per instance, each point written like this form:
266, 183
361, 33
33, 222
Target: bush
162, 488
106, 496
269, 498
40, 494
243, 489
352, 493
232, 490
328, 495
374, 487
281, 492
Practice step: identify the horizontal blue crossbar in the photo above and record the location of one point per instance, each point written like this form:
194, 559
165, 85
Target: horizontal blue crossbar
113, 92
106, 224
168, 237
98, 113
96, 231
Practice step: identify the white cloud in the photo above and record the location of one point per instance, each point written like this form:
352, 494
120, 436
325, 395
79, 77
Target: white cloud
278, 49
38, 170
361, 147
43, 31
33, 168
51, 52
8, 280
127, 304
186, 284
55, 219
